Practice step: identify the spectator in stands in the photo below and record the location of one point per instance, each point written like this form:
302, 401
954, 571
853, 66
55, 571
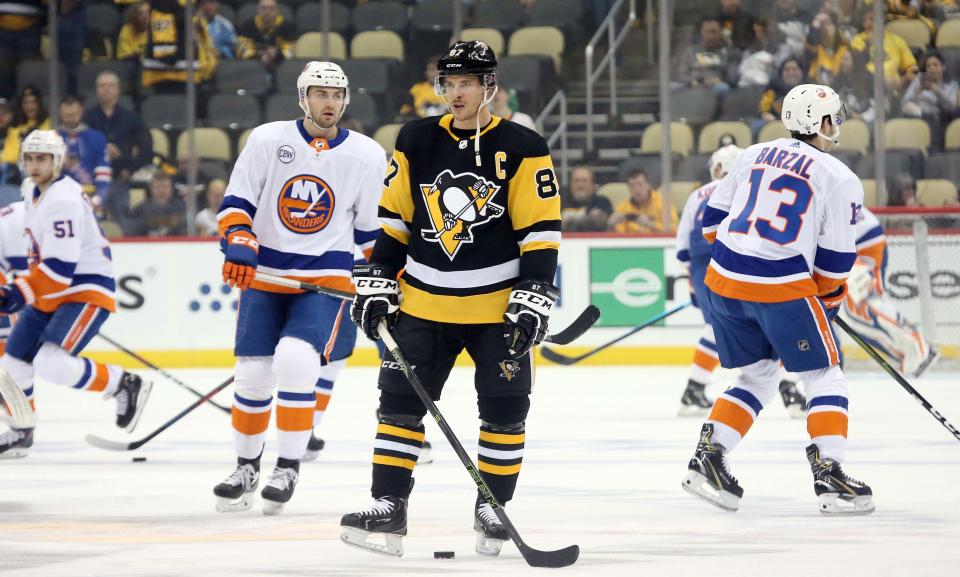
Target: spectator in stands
712, 63
29, 115
764, 55
180, 181
771, 101
221, 30
642, 211
849, 17
162, 213
903, 191
20, 22
793, 21
737, 25
132, 42
910, 10
825, 49
267, 36
164, 59
7, 172
583, 209
129, 146
207, 218
86, 160
930, 95
424, 101
899, 67
71, 38
504, 105
855, 88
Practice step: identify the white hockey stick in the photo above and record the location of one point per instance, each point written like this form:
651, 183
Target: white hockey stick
20, 411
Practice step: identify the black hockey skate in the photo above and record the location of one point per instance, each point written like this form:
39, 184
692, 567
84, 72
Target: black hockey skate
131, 397
280, 486
694, 402
314, 446
490, 531
793, 401
387, 516
236, 492
15, 443
709, 477
838, 493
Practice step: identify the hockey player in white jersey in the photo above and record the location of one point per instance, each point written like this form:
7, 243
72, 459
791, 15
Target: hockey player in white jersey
14, 248
783, 227
302, 194
67, 295
872, 314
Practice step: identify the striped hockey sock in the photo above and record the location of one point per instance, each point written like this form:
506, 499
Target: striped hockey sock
827, 425
94, 377
705, 361
294, 423
500, 456
250, 420
732, 416
395, 453
323, 389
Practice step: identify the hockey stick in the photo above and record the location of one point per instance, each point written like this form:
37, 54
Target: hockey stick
554, 356
896, 376
119, 446
534, 557
579, 326
148, 364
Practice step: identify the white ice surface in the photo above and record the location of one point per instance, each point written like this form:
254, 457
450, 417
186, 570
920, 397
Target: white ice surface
604, 459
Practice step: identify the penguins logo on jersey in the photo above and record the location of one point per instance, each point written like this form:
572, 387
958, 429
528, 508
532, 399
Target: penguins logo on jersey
305, 204
458, 203
509, 369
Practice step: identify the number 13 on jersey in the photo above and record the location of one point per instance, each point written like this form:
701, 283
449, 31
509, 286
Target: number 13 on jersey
784, 224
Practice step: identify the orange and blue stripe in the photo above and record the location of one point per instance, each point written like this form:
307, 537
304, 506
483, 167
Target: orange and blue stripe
250, 416
736, 409
827, 416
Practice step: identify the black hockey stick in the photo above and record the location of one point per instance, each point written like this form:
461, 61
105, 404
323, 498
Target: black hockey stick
134, 355
560, 359
896, 376
579, 326
133, 445
534, 557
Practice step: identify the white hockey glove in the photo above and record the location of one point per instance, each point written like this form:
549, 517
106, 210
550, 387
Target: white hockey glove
525, 322
378, 297
860, 281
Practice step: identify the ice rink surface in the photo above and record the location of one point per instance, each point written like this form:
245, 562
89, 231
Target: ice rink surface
604, 458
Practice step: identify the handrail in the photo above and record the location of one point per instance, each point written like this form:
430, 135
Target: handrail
560, 98
614, 39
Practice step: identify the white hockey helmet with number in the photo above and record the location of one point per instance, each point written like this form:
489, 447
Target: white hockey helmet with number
44, 142
723, 158
805, 106
326, 74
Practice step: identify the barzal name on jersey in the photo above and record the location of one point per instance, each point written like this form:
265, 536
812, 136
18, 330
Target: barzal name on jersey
469, 233
799, 241
308, 200
69, 258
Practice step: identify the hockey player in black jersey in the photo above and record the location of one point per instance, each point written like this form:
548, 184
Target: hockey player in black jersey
471, 214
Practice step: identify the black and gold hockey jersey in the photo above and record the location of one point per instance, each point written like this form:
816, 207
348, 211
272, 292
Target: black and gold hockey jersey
465, 235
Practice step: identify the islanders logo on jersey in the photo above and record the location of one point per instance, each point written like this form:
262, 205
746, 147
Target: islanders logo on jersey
305, 204
458, 203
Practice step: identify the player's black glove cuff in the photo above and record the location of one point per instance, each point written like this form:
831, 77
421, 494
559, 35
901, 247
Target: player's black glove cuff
525, 322
378, 297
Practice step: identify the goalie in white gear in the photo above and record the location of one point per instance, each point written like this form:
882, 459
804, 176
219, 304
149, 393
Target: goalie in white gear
871, 313
303, 194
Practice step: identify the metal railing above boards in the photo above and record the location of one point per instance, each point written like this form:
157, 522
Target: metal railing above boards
609, 61
560, 133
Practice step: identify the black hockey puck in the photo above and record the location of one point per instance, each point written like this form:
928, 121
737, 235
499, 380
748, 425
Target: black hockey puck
139, 459
443, 554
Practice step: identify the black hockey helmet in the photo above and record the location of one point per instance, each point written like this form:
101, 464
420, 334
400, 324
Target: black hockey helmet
469, 57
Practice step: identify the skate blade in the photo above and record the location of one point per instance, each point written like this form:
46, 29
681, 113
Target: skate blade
145, 388
796, 411
927, 363
487, 546
15, 453
310, 456
832, 505
392, 543
271, 508
692, 411
699, 486
225, 505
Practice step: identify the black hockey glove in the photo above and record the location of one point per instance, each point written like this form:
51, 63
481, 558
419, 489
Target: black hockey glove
525, 322
378, 297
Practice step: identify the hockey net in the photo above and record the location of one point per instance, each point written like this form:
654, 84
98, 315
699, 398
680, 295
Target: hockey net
923, 274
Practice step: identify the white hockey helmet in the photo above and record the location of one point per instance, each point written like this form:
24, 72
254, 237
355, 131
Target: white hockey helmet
326, 74
724, 158
44, 142
805, 106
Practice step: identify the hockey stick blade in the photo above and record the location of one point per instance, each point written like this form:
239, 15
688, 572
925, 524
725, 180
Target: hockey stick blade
553, 559
580, 325
561, 359
109, 445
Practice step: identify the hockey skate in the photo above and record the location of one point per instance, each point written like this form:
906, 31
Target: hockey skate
387, 517
426, 457
932, 357
694, 402
279, 489
490, 531
314, 446
709, 477
838, 493
15, 443
793, 401
131, 396
236, 492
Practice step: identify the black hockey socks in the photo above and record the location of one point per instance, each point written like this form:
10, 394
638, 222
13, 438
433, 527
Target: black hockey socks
499, 458
395, 454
